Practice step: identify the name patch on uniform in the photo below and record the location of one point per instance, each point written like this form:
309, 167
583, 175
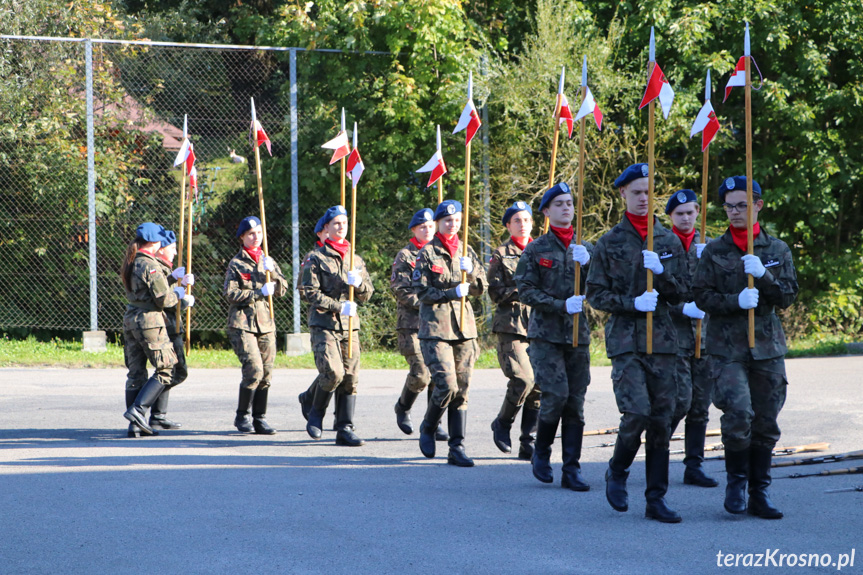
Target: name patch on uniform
437, 269
665, 255
772, 263
511, 257
247, 277
546, 263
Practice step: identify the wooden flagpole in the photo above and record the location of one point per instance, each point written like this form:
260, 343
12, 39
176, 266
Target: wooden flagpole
182, 219
261, 197
703, 236
576, 288
351, 260
554, 140
440, 179
650, 152
750, 239
342, 181
188, 271
466, 207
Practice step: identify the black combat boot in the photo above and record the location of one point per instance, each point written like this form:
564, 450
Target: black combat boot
571, 436
338, 400
656, 470
541, 460
457, 420
616, 476
759, 480
737, 472
320, 403
158, 411
345, 435
306, 399
259, 412
403, 410
502, 424
694, 445
134, 430
529, 418
439, 434
427, 429
145, 398
243, 422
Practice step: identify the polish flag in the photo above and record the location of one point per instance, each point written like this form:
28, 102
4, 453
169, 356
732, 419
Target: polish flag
257, 133
355, 165
738, 78
436, 166
706, 123
193, 182
340, 147
658, 87
588, 106
469, 119
186, 155
566, 113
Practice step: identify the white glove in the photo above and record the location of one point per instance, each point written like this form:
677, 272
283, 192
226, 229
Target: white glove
753, 266
748, 298
181, 293
699, 248
269, 264
465, 264
178, 272
580, 255
462, 289
349, 308
190, 300
268, 289
355, 278
188, 280
574, 304
647, 301
651, 262
691, 310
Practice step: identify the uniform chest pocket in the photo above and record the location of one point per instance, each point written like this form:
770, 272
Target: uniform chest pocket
624, 270
245, 280
440, 271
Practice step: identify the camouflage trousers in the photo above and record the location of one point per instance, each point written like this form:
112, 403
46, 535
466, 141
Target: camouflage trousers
256, 352
751, 395
335, 370
563, 374
142, 345
181, 370
450, 364
409, 346
514, 360
645, 387
694, 390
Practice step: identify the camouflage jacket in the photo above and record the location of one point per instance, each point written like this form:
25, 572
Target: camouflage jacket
617, 276
325, 287
249, 309
719, 279
400, 282
434, 280
171, 312
150, 293
545, 277
299, 280
686, 325
511, 315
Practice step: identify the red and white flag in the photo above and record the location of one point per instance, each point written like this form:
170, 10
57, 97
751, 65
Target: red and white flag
566, 114
193, 182
256, 132
436, 166
706, 123
186, 155
355, 165
588, 106
658, 87
738, 77
469, 119
340, 147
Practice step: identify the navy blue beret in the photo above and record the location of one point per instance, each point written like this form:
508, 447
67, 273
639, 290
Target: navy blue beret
247, 224
516, 207
150, 232
168, 238
319, 227
678, 198
421, 217
633, 172
332, 213
447, 208
553, 192
736, 183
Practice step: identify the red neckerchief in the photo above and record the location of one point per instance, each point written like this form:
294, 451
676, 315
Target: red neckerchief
563, 234
739, 236
254, 253
685, 238
418, 243
522, 242
451, 243
319, 244
165, 260
342, 246
639, 223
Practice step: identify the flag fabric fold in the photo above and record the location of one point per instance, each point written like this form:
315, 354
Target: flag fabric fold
705, 123
658, 87
340, 147
436, 166
566, 113
259, 136
355, 166
589, 106
469, 120
738, 77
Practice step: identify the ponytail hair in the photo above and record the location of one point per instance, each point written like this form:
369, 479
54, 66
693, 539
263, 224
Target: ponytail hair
126, 270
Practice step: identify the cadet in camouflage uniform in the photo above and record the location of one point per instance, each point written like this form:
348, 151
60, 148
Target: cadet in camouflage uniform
510, 325
645, 385
750, 384
695, 386
449, 347
145, 334
250, 329
326, 279
408, 321
545, 277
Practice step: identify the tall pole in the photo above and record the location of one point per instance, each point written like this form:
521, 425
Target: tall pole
342, 181
295, 194
261, 199
466, 211
91, 189
576, 288
181, 236
703, 235
440, 180
351, 261
650, 109
189, 270
750, 247
555, 138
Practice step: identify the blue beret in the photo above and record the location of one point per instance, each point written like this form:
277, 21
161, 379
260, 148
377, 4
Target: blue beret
736, 183
633, 172
553, 192
678, 198
319, 227
247, 224
447, 208
150, 232
421, 217
330, 214
168, 238
516, 207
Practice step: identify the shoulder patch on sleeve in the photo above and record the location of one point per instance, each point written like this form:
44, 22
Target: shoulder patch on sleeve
416, 275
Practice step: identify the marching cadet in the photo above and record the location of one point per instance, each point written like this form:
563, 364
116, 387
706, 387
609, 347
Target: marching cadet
448, 346
695, 387
510, 325
326, 279
250, 329
305, 397
145, 334
408, 321
750, 384
545, 277
645, 385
